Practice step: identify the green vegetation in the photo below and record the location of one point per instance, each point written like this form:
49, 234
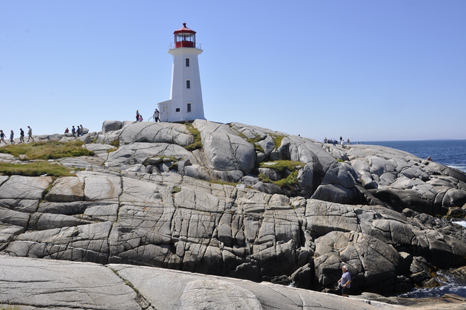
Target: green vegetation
277, 139
176, 189
172, 158
223, 183
36, 168
47, 150
253, 141
115, 143
3, 307
197, 144
281, 166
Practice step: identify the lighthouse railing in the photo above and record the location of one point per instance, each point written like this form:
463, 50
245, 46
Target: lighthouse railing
198, 46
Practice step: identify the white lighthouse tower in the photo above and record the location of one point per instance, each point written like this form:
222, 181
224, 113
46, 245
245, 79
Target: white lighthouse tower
185, 102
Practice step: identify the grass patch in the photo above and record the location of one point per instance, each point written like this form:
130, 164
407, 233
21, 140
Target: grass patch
197, 144
290, 181
223, 183
171, 158
34, 169
48, 150
277, 139
115, 143
281, 166
264, 178
3, 307
253, 141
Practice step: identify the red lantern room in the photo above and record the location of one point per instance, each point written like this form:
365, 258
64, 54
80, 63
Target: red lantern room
185, 37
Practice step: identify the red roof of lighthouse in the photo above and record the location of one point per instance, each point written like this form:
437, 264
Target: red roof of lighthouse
184, 30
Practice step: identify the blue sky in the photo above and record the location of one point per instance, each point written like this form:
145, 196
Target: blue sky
364, 70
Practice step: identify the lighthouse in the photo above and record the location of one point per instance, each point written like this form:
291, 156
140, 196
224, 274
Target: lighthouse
185, 102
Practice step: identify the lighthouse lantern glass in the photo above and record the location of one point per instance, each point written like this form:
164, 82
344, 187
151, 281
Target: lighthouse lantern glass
185, 39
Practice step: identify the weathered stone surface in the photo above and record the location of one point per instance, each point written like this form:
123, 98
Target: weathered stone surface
22, 205
66, 189
138, 153
224, 149
108, 126
21, 187
100, 186
50, 284
69, 285
168, 289
369, 260
99, 148
150, 204
156, 133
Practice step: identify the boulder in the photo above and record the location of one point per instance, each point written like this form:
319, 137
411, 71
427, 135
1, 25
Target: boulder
109, 126
156, 133
224, 149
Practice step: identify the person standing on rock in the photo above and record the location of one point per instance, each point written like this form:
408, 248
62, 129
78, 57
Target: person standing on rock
78, 131
156, 115
30, 134
2, 137
82, 130
73, 131
345, 281
137, 115
21, 136
12, 137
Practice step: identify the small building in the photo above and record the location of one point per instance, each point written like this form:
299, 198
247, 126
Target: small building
185, 102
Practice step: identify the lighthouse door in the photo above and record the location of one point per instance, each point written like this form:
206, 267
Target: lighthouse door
164, 114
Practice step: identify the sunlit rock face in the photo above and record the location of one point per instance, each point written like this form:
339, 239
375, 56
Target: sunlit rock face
226, 209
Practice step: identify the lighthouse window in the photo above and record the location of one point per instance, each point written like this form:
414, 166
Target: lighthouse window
188, 84
177, 109
189, 107
187, 62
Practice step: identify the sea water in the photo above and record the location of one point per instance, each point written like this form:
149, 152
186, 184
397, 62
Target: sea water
451, 153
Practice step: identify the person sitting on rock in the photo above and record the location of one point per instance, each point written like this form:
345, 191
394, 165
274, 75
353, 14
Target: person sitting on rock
140, 117
67, 130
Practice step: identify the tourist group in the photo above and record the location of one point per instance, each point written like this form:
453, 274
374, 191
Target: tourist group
12, 136
76, 132
155, 116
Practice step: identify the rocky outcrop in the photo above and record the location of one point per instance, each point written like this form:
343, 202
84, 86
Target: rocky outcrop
50, 284
153, 202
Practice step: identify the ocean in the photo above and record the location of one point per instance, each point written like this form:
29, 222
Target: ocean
451, 153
